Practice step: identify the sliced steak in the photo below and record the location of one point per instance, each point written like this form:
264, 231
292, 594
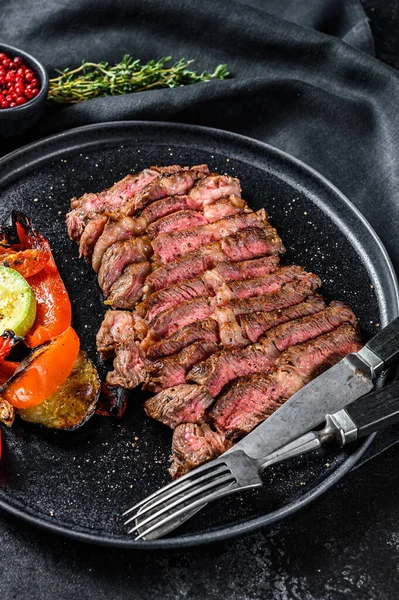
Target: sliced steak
206, 330
230, 331
173, 296
175, 244
289, 294
166, 206
128, 288
184, 404
91, 234
129, 366
251, 243
256, 324
193, 445
117, 327
176, 168
108, 200
186, 219
182, 219
228, 317
247, 269
170, 371
206, 284
212, 188
117, 229
221, 368
166, 185
251, 400
225, 366
118, 256
169, 321
224, 207
264, 284
116, 338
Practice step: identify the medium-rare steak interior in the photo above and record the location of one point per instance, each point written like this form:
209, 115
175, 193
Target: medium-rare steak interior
202, 313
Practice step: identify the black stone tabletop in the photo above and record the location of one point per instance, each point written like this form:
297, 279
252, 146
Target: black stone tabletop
345, 545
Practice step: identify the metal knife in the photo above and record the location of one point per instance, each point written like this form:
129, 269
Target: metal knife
362, 417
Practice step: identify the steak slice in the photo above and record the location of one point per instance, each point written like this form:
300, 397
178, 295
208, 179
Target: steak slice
255, 324
182, 219
128, 288
170, 371
175, 244
193, 445
117, 327
225, 366
116, 338
206, 330
91, 234
108, 200
252, 399
116, 229
129, 366
289, 294
185, 404
221, 368
118, 256
173, 184
204, 285
212, 188
188, 218
228, 317
230, 331
260, 285
247, 269
224, 207
165, 299
169, 321
251, 243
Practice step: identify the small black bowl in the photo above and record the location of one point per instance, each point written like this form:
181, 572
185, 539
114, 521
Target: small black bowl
14, 121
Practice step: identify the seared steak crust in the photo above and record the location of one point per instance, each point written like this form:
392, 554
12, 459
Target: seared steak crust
192, 445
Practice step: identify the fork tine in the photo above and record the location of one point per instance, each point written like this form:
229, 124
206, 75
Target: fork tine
206, 499
191, 475
185, 486
228, 479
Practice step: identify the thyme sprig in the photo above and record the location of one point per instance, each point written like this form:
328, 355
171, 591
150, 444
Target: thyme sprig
92, 80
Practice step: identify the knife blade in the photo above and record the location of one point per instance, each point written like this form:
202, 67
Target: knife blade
343, 383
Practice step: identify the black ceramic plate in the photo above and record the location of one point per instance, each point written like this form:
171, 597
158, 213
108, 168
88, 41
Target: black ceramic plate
79, 483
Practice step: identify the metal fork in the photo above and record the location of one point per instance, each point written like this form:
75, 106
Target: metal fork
234, 471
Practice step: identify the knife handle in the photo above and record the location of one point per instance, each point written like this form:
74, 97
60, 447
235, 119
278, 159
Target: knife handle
386, 344
376, 410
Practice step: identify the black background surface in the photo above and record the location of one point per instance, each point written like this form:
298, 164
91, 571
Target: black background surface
340, 110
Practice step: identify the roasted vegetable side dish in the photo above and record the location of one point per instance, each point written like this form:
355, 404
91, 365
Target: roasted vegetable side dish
55, 385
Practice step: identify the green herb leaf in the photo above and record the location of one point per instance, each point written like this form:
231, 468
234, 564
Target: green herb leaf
92, 80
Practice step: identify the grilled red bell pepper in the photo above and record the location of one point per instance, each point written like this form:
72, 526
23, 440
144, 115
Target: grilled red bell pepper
7, 340
53, 314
